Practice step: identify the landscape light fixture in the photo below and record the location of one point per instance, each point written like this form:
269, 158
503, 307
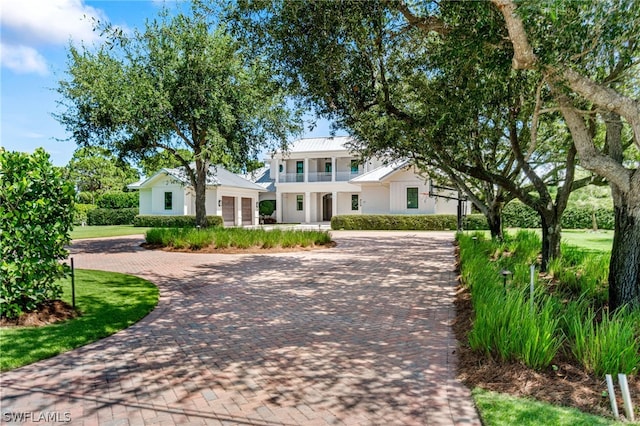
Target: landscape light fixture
505, 273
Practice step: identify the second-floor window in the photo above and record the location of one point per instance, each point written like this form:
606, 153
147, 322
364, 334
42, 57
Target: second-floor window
354, 166
327, 167
299, 171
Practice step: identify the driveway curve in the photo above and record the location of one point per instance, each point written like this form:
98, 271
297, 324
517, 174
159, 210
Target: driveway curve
357, 334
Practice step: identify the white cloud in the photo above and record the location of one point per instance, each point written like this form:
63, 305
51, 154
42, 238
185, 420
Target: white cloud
49, 21
22, 59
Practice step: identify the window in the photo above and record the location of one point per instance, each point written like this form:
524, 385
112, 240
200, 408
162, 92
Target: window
299, 202
354, 166
327, 167
412, 198
280, 168
168, 200
354, 202
299, 171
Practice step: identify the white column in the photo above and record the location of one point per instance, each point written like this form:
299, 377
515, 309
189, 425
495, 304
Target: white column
333, 169
306, 170
238, 211
277, 170
307, 205
334, 203
279, 206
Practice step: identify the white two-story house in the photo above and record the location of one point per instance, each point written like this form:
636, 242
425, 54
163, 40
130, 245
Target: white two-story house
319, 178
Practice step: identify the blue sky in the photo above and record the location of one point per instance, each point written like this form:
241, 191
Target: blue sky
34, 36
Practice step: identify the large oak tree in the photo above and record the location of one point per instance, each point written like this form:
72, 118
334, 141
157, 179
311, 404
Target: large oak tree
183, 83
590, 52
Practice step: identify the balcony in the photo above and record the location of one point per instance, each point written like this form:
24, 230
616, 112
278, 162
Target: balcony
344, 176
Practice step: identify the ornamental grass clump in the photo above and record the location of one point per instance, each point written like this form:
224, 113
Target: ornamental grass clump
240, 238
610, 346
505, 327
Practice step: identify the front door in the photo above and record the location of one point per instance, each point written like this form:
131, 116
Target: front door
327, 207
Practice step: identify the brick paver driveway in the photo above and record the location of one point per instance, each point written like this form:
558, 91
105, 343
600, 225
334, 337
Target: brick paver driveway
357, 334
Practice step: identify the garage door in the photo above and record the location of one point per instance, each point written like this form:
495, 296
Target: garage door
229, 211
247, 213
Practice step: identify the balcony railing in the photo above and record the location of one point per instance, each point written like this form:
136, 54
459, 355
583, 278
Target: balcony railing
318, 176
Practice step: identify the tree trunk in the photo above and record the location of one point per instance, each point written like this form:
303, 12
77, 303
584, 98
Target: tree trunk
494, 220
624, 269
551, 235
201, 192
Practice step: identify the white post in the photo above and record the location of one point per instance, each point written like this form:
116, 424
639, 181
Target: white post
333, 169
612, 396
279, 206
307, 207
626, 396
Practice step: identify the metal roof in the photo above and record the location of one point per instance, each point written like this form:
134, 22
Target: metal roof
216, 176
336, 143
261, 177
381, 173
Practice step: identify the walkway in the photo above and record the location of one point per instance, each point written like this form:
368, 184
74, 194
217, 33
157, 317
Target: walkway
357, 334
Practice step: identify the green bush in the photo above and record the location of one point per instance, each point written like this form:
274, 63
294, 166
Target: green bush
475, 222
267, 207
36, 215
118, 200
80, 212
151, 221
517, 215
111, 216
432, 222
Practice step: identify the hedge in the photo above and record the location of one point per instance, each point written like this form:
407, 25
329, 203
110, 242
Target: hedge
395, 222
118, 200
80, 212
111, 216
517, 215
173, 221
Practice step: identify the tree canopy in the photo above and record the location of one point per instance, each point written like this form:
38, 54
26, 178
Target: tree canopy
184, 84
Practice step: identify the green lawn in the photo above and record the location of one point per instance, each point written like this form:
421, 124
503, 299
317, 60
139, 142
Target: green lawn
583, 238
599, 241
80, 232
109, 302
498, 409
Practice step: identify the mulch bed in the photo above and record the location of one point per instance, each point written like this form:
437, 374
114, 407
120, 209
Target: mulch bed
48, 312
563, 383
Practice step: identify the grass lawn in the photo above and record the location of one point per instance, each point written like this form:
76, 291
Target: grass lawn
109, 302
499, 409
597, 241
105, 231
583, 238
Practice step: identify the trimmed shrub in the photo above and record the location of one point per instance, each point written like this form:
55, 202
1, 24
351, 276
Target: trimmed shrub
395, 222
118, 200
267, 207
151, 221
517, 215
80, 212
36, 215
475, 222
111, 216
